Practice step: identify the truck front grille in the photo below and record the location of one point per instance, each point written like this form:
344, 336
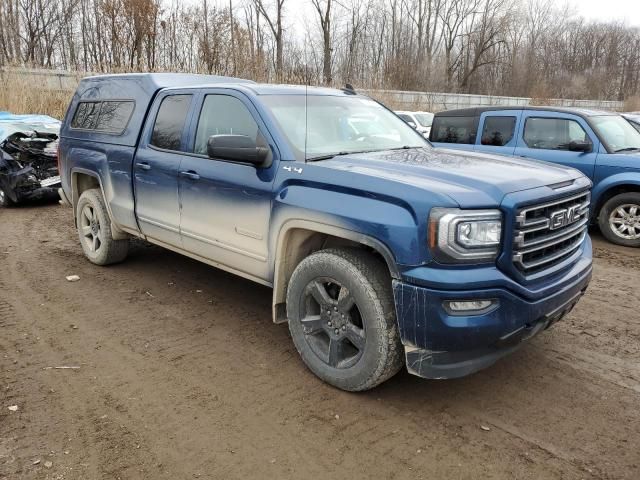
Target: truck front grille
549, 235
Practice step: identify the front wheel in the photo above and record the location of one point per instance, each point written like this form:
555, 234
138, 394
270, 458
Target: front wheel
619, 219
342, 318
94, 230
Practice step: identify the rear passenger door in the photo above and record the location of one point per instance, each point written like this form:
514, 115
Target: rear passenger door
156, 167
226, 205
547, 135
497, 132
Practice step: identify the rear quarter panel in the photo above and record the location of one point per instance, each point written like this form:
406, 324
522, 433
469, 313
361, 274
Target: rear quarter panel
111, 164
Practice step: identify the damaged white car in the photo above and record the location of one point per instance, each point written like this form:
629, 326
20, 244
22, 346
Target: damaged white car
28, 158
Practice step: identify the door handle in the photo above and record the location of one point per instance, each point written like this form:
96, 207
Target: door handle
190, 175
143, 166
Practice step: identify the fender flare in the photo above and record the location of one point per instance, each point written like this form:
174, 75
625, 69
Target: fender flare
117, 232
280, 284
617, 180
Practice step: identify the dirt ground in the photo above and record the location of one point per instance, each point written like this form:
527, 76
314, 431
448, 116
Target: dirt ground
182, 375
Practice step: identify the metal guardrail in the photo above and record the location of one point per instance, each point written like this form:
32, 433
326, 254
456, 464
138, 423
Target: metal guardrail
401, 100
47, 79
436, 102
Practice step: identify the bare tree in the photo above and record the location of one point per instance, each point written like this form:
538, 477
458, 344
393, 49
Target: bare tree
323, 8
528, 48
275, 24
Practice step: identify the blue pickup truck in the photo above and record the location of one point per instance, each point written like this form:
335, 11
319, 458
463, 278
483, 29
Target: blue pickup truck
381, 250
602, 145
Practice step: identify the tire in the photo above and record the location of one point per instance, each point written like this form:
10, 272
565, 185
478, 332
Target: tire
5, 200
94, 230
353, 348
619, 219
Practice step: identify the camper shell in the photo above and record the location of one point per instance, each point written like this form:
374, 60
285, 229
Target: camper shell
135, 92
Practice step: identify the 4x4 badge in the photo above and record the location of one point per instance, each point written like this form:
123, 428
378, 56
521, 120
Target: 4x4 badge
292, 169
564, 217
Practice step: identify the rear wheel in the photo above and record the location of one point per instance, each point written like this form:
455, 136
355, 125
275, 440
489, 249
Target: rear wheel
94, 230
342, 318
619, 219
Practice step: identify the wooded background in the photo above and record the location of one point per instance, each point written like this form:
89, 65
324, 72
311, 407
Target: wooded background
530, 48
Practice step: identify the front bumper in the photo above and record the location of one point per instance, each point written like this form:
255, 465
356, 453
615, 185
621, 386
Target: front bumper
441, 345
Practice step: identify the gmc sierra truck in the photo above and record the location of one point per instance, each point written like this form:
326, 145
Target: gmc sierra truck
381, 250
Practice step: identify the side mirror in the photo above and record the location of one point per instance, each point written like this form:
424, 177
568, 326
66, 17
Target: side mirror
412, 125
238, 148
580, 146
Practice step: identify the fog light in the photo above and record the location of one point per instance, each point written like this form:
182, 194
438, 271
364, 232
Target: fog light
469, 307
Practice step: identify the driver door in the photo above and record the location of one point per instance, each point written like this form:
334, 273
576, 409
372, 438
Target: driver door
546, 136
225, 205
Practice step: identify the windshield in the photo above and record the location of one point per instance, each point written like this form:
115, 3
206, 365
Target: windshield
425, 119
617, 134
339, 125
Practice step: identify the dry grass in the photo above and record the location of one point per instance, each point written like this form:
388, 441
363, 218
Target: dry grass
632, 104
31, 94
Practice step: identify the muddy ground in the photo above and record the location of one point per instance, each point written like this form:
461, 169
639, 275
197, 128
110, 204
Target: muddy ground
182, 375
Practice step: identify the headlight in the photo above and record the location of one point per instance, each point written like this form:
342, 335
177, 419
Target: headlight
465, 236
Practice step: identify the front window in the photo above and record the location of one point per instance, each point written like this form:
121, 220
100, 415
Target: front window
220, 115
425, 119
616, 133
553, 133
322, 126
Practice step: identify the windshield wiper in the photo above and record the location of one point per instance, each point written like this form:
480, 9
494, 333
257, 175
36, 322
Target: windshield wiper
326, 157
332, 155
626, 149
405, 147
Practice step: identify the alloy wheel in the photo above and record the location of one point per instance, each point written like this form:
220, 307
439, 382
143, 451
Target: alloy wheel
332, 324
90, 229
624, 221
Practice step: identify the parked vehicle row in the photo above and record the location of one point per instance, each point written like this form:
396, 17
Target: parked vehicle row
381, 250
602, 145
421, 121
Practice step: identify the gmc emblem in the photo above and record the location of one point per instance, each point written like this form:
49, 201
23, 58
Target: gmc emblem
564, 217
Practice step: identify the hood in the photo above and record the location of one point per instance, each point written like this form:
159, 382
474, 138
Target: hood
469, 178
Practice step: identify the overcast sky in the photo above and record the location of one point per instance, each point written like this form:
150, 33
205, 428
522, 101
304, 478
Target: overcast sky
624, 10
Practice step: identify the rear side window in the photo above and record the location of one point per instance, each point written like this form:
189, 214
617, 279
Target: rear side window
553, 133
167, 131
114, 116
498, 131
223, 114
454, 130
110, 116
86, 115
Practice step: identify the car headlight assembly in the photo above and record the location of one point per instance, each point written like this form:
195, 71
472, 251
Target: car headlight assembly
465, 236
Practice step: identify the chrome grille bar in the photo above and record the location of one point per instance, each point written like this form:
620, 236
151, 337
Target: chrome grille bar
542, 242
